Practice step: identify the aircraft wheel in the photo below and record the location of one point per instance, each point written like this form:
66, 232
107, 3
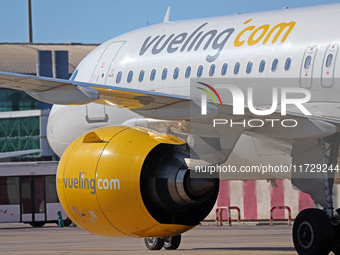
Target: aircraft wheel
312, 232
154, 243
172, 242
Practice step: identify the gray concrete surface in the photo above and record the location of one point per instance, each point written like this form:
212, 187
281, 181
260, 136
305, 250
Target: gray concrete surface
240, 239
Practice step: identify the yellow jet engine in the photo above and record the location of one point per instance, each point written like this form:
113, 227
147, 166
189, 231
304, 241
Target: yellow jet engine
122, 181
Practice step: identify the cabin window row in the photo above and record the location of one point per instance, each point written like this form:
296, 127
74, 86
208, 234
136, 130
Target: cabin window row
212, 70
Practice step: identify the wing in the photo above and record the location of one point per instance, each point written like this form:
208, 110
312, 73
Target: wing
67, 92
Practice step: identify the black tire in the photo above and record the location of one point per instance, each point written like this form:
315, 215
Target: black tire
154, 243
172, 242
37, 224
312, 232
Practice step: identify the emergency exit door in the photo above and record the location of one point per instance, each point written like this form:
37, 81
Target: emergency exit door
328, 65
307, 67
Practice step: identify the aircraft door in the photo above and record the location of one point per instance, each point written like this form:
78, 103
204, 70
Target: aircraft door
328, 65
101, 71
33, 206
306, 72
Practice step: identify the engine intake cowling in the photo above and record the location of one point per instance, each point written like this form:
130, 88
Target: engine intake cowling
123, 181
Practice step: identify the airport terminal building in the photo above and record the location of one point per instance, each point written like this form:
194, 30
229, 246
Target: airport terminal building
23, 119
28, 189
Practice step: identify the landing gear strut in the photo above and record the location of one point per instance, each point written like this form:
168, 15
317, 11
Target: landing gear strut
169, 243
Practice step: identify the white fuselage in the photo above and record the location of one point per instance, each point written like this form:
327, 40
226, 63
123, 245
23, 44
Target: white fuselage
294, 44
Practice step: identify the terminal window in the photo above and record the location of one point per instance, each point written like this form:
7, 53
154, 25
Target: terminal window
13, 100
18, 134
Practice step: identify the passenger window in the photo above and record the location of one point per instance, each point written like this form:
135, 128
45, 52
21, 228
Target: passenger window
119, 77
237, 68
176, 73
224, 69
262, 65
249, 67
274, 65
164, 73
329, 60
188, 72
130, 75
308, 61
153, 75
199, 71
212, 70
141, 76
288, 63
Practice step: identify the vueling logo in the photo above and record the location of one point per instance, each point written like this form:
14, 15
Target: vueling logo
215, 39
82, 182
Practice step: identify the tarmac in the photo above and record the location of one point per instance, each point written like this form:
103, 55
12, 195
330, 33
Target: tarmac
245, 238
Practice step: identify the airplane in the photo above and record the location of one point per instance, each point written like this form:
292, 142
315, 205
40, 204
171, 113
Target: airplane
149, 117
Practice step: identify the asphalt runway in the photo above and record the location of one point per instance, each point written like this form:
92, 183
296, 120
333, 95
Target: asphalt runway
241, 238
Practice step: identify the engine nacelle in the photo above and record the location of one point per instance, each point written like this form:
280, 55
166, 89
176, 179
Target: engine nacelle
122, 181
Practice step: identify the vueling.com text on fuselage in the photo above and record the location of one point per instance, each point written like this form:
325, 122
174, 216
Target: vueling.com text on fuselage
199, 39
